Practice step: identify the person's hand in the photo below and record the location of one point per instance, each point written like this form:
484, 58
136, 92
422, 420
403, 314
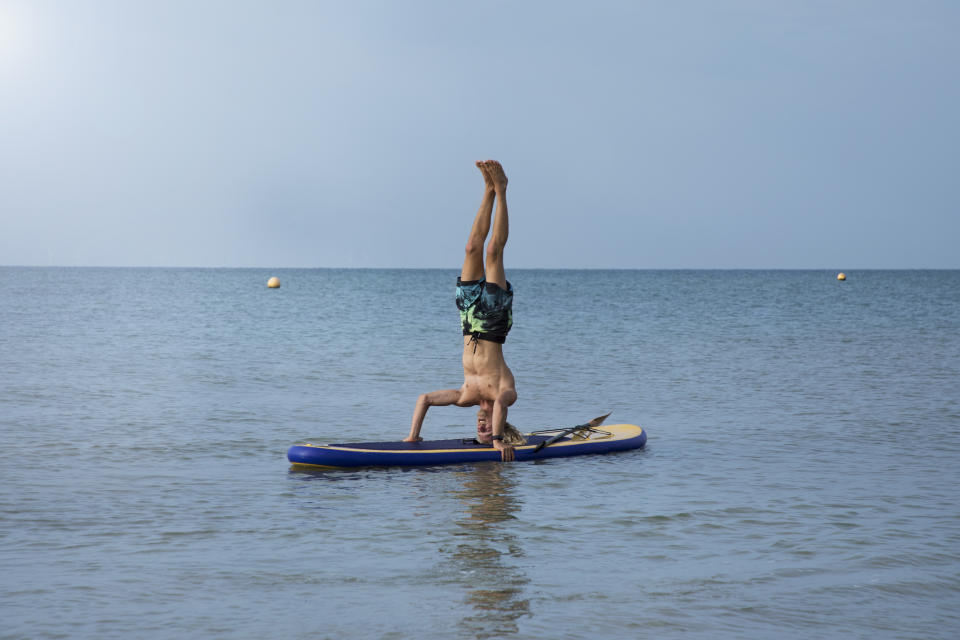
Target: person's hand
412, 439
506, 451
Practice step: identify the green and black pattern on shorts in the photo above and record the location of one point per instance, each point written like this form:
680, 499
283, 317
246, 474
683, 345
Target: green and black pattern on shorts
486, 309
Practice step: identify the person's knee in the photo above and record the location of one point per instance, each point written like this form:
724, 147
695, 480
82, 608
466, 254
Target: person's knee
474, 247
494, 250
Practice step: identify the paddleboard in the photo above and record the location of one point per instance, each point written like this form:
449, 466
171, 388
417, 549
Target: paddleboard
618, 437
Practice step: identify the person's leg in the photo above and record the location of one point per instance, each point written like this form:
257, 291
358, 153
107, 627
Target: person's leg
473, 258
501, 225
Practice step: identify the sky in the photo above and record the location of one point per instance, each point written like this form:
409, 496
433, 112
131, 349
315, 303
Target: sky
635, 134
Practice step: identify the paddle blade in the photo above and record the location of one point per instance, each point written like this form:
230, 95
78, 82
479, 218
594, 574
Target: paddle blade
596, 422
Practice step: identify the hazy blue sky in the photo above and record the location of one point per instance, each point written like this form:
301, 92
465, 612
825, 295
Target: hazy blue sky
635, 134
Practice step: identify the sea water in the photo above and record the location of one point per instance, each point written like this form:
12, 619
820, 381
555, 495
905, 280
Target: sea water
800, 479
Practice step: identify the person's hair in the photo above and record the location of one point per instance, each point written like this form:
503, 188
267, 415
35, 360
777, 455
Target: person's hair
512, 436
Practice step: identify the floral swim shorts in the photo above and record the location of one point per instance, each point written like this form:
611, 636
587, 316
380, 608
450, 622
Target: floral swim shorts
486, 309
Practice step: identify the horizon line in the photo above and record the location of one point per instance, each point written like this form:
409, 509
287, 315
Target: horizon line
320, 268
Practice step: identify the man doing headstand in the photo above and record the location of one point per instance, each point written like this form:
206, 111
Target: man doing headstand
485, 301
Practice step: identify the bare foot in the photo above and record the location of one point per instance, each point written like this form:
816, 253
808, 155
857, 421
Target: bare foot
486, 173
497, 175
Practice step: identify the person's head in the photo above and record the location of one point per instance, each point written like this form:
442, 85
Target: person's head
511, 435
484, 426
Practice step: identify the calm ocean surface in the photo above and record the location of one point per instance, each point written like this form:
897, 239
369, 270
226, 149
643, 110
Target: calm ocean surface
801, 477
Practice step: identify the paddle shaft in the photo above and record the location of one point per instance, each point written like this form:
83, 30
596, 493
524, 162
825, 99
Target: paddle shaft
562, 434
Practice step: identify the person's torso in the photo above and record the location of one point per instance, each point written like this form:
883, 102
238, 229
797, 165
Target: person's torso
485, 373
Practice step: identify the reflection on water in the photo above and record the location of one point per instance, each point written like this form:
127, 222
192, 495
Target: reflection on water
494, 585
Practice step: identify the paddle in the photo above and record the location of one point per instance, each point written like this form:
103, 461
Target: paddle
596, 422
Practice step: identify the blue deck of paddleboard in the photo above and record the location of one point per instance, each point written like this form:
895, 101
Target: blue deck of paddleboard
429, 445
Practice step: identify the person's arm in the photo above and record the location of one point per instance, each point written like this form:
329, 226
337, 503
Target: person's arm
424, 402
506, 399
